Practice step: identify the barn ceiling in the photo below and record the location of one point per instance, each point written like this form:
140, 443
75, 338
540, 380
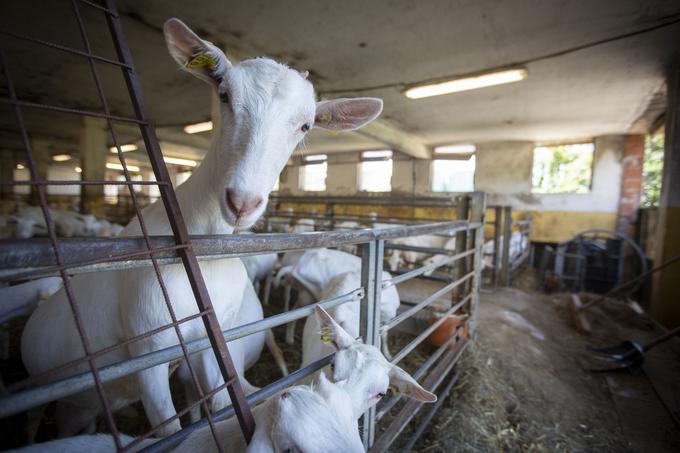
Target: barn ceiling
575, 88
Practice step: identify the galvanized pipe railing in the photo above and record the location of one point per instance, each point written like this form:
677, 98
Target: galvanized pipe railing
15, 403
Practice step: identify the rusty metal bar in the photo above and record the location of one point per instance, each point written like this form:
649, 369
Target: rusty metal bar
64, 48
56, 108
181, 235
58, 255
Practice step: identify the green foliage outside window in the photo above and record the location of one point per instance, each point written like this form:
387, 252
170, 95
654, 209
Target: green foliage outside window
652, 170
563, 168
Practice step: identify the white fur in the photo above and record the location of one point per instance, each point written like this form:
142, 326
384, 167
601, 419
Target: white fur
301, 419
260, 125
312, 272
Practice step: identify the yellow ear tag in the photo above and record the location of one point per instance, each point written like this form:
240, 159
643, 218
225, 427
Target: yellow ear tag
326, 336
202, 61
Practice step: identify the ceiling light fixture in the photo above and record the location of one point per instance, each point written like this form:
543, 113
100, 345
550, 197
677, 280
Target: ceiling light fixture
466, 83
61, 157
115, 166
125, 148
455, 149
178, 161
78, 170
20, 167
316, 158
198, 127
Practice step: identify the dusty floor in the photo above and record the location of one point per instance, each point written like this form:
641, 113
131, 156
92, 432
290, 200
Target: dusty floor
524, 386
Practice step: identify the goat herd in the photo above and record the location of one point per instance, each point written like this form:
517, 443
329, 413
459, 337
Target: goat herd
266, 109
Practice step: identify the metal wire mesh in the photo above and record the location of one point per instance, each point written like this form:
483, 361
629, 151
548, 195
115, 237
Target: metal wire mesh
182, 245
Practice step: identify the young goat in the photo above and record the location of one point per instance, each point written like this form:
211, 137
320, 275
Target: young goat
311, 273
365, 372
266, 110
306, 419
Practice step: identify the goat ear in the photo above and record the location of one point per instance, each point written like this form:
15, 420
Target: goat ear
403, 383
201, 58
347, 114
331, 332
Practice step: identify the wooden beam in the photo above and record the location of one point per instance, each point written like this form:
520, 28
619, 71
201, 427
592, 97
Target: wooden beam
396, 139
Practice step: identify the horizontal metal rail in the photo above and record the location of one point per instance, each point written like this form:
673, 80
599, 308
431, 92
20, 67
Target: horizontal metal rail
406, 414
173, 440
385, 408
426, 333
403, 316
431, 412
18, 256
423, 269
405, 200
21, 401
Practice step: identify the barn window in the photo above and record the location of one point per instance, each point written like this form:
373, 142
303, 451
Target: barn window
375, 173
453, 168
313, 173
563, 168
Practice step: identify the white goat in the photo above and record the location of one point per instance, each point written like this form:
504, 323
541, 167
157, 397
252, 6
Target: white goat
317, 418
245, 352
365, 371
266, 110
450, 245
518, 244
21, 300
313, 271
398, 258
302, 418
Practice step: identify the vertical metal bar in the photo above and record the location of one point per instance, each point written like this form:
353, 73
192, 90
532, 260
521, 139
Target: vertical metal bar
459, 269
497, 225
477, 214
507, 235
51, 230
135, 205
200, 291
371, 281
330, 216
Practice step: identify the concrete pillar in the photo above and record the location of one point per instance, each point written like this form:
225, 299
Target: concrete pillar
665, 303
7, 164
422, 170
289, 182
93, 153
504, 167
42, 156
631, 184
403, 174
342, 177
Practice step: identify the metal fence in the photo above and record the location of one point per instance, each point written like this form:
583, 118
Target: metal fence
19, 258
29, 259
504, 263
331, 213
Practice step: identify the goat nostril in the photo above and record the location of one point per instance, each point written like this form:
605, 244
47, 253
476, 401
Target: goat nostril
242, 204
233, 202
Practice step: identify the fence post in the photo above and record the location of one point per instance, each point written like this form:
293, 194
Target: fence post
507, 236
497, 225
477, 214
371, 280
330, 216
460, 267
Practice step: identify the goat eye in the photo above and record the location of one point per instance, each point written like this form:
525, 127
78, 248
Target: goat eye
224, 97
305, 127
381, 395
